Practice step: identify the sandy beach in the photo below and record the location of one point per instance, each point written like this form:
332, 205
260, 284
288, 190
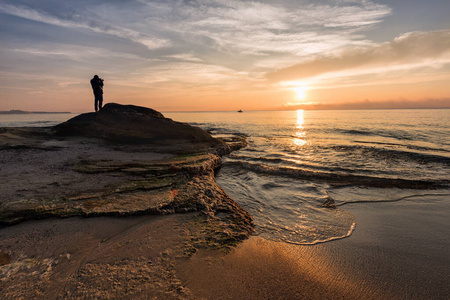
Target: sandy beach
393, 254
389, 256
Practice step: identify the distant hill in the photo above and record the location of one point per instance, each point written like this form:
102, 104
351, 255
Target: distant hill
22, 112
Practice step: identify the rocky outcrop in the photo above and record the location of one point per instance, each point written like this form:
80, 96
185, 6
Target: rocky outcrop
124, 163
105, 164
129, 124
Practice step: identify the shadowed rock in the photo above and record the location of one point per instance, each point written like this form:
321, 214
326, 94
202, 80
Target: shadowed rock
105, 164
129, 124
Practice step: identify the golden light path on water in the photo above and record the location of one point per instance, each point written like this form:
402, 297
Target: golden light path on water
300, 134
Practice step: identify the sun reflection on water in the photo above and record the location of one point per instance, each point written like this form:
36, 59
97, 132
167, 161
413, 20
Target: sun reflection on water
300, 132
300, 119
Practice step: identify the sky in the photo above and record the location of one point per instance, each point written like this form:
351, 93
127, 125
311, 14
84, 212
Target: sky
220, 55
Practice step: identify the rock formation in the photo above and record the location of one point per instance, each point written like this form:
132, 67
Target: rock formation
124, 163
129, 124
104, 163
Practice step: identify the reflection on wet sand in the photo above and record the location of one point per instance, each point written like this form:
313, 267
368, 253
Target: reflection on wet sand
261, 269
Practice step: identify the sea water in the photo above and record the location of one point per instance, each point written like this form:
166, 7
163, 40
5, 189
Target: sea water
297, 161
34, 120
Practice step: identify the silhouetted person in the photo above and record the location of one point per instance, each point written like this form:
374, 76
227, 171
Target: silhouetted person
97, 86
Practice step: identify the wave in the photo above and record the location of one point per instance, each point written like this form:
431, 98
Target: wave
38, 123
293, 163
356, 132
341, 203
341, 179
197, 124
399, 135
383, 153
250, 158
412, 147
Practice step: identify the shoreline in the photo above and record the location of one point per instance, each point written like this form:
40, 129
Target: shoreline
403, 246
389, 256
159, 256
141, 221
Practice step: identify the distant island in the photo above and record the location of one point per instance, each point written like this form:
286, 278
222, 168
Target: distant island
21, 112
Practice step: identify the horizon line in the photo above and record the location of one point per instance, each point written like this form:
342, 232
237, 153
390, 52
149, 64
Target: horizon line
230, 111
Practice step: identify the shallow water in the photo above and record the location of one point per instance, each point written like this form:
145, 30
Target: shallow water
297, 160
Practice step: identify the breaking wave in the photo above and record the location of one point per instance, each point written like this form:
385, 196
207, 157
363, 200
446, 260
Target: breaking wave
340, 178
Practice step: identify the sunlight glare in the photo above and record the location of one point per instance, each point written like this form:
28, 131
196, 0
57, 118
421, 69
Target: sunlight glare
301, 91
300, 134
300, 118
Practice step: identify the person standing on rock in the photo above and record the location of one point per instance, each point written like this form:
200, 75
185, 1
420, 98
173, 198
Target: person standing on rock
97, 86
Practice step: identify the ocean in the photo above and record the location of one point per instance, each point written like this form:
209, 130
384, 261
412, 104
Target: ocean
297, 161
301, 168
33, 120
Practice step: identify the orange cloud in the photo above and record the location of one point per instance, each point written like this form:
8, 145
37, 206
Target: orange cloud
407, 49
367, 104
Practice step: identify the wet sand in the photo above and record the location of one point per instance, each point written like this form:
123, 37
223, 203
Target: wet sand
398, 251
401, 247
87, 258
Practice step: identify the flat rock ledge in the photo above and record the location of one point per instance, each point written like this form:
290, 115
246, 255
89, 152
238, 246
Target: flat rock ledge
122, 161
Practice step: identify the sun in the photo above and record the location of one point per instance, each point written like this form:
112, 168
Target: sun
301, 92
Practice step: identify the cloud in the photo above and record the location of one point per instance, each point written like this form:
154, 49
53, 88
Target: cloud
185, 57
78, 21
183, 75
414, 48
255, 28
76, 60
367, 104
231, 33
418, 73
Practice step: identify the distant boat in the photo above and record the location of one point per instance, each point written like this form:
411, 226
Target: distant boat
240, 110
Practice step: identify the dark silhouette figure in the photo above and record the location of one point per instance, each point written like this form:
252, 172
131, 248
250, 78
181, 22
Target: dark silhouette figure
97, 86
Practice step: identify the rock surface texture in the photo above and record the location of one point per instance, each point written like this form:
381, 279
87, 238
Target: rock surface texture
104, 164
